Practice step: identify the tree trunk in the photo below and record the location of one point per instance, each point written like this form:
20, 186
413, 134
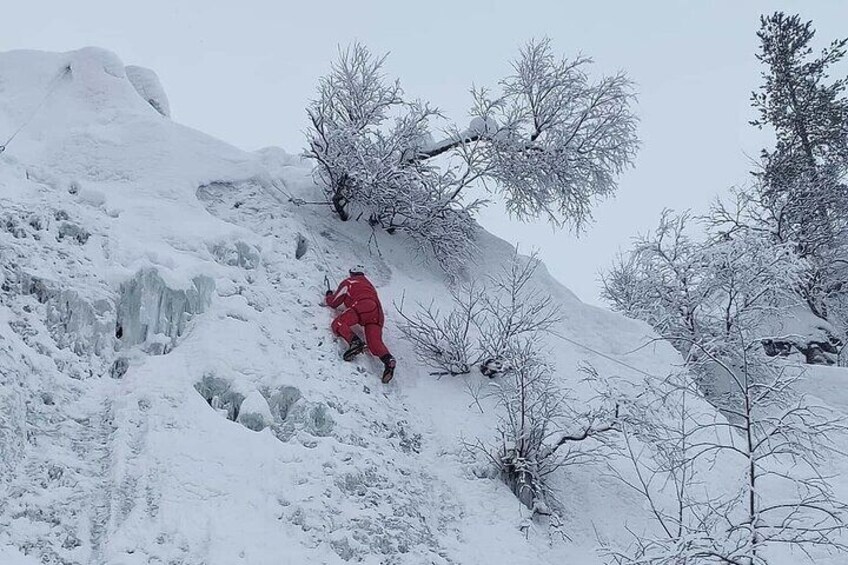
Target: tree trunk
339, 199
523, 489
752, 470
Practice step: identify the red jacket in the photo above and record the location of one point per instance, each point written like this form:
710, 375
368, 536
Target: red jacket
357, 293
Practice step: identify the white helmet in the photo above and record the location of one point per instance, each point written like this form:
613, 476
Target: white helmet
357, 270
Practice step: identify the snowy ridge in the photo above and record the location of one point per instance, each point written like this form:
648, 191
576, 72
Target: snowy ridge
153, 317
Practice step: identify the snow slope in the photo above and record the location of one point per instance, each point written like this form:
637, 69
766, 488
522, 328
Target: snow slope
150, 288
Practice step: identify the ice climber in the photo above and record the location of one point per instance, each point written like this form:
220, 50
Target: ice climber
362, 307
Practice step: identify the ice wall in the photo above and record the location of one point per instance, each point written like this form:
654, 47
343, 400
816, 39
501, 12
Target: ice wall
148, 307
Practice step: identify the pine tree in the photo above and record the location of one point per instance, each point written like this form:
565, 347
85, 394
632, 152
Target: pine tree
800, 183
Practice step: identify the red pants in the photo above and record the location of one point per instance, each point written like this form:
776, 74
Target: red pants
367, 314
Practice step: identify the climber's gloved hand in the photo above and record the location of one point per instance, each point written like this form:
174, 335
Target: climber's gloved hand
328, 293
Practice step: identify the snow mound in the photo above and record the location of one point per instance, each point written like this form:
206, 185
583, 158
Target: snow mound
146, 83
482, 126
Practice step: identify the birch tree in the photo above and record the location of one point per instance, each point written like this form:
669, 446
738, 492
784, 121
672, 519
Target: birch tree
551, 141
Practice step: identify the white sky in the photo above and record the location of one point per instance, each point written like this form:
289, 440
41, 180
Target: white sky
244, 70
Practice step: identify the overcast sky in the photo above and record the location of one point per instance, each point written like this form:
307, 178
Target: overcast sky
244, 70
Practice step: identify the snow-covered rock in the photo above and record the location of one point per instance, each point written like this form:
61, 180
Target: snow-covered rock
254, 413
799, 330
147, 307
482, 126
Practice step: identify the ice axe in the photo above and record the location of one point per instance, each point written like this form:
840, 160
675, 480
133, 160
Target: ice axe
329, 290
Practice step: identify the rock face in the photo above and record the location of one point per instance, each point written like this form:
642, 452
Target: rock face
146, 83
819, 348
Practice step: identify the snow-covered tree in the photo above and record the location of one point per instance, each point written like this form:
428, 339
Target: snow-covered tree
555, 140
716, 299
362, 132
808, 113
541, 428
700, 291
551, 142
658, 434
661, 280
768, 445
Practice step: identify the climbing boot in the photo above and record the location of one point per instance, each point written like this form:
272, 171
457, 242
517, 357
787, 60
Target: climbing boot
389, 370
355, 348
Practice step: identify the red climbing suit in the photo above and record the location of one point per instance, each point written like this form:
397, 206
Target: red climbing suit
363, 307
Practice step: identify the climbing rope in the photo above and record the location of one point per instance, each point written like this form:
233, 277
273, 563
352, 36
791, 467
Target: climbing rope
317, 246
51, 87
298, 201
604, 355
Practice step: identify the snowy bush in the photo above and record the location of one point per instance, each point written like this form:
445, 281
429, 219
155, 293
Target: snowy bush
486, 320
539, 430
498, 326
551, 143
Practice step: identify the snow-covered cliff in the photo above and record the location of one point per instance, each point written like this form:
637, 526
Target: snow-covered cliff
169, 388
